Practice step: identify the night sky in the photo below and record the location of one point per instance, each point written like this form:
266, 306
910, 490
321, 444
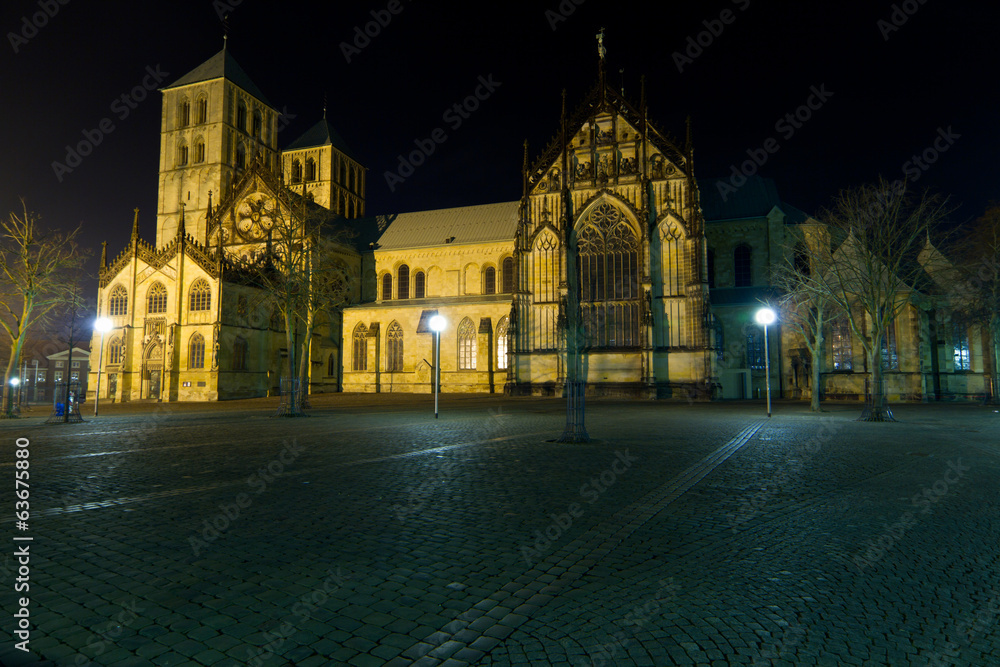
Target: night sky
893, 92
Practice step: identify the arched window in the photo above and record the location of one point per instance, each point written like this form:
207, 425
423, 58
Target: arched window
310, 169
743, 266
342, 209
258, 124
489, 280
350, 209
116, 351
360, 348
394, 348
241, 156
118, 302
403, 282
182, 154
201, 295
196, 351
343, 172
184, 114
240, 349
507, 275
466, 345
419, 285
241, 116
331, 365
387, 287
840, 339
352, 184
156, 299
296, 171
960, 334
890, 355
203, 110
711, 268
609, 279
502, 343
199, 151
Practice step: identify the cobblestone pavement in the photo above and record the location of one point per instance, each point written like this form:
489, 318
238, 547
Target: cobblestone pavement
371, 533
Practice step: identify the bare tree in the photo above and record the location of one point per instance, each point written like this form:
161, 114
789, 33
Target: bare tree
805, 303
873, 274
300, 276
977, 289
35, 277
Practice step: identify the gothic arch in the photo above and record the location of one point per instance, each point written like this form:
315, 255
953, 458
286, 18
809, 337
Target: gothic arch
606, 197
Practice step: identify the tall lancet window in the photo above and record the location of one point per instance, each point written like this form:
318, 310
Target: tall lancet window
609, 278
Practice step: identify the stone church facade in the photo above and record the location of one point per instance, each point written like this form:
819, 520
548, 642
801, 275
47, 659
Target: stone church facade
667, 273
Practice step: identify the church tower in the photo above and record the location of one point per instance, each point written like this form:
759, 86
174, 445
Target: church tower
320, 162
215, 121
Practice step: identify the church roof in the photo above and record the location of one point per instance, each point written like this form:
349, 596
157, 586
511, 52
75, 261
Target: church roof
466, 224
221, 65
754, 199
321, 134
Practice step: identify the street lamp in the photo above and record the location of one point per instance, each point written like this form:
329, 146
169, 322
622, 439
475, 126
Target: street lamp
437, 326
766, 316
103, 325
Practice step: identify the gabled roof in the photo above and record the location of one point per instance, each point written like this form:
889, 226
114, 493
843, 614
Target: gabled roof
465, 224
221, 65
754, 199
321, 134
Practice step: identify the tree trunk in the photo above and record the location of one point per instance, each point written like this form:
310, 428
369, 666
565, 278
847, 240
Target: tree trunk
817, 369
876, 403
304, 360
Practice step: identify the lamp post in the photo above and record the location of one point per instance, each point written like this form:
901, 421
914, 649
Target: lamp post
103, 325
13, 388
437, 326
766, 316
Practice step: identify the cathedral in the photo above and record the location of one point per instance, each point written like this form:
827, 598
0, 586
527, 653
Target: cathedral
613, 238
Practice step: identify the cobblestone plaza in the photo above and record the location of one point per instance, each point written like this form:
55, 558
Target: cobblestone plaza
370, 533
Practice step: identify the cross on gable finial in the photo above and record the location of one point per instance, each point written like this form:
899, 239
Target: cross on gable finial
601, 51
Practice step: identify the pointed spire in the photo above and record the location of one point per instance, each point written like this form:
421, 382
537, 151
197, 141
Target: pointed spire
324, 105
135, 228
180, 225
601, 52
208, 213
104, 254
524, 168
564, 139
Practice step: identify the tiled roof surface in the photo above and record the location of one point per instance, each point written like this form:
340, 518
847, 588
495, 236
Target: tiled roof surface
466, 224
222, 64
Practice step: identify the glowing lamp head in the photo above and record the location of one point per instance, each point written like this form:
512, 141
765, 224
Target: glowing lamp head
765, 316
437, 323
14, 382
102, 325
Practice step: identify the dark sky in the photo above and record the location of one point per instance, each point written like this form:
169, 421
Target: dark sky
889, 98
